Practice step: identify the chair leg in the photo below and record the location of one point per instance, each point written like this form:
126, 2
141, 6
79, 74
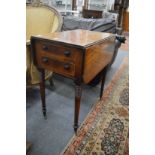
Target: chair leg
51, 82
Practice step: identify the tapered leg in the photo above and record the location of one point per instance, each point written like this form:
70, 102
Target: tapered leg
42, 91
103, 80
78, 92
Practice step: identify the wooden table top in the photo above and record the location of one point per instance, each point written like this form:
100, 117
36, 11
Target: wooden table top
78, 37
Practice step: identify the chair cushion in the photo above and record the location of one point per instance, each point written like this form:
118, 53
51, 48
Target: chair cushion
40, 20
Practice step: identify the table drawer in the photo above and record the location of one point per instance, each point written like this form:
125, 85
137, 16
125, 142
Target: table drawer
65, 68
62, 52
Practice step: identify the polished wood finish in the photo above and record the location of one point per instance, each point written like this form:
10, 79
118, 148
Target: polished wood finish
91, 13
74, 7
78, 93
120, 6
77, 54
96, 58
126, 21
75, 38
62, 60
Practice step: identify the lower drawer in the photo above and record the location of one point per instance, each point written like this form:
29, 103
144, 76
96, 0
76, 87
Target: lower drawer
65, 68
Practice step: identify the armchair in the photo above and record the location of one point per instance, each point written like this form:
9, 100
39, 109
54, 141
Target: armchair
40, 19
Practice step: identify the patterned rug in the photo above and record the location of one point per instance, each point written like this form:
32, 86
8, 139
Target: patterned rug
105, 129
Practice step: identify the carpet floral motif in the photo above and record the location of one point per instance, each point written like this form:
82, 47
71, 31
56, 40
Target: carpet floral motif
124, 96
105, 129
113, 137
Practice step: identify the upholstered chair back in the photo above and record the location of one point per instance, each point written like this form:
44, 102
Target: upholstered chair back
40, 19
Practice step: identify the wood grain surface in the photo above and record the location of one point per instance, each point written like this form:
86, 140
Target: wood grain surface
79, 37
77, 54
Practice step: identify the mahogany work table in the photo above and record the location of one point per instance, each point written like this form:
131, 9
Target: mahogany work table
76, 54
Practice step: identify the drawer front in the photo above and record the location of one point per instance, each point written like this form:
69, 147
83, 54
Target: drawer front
59, 52
65, 68
66, 60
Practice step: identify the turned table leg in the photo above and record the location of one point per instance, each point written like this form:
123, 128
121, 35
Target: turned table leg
103, 80
78, 92
42, 91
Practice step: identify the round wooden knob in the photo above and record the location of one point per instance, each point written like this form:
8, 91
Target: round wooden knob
45, 59
67, 53
45, 47
66, 66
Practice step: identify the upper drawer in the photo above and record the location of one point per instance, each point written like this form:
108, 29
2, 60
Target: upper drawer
59, 51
